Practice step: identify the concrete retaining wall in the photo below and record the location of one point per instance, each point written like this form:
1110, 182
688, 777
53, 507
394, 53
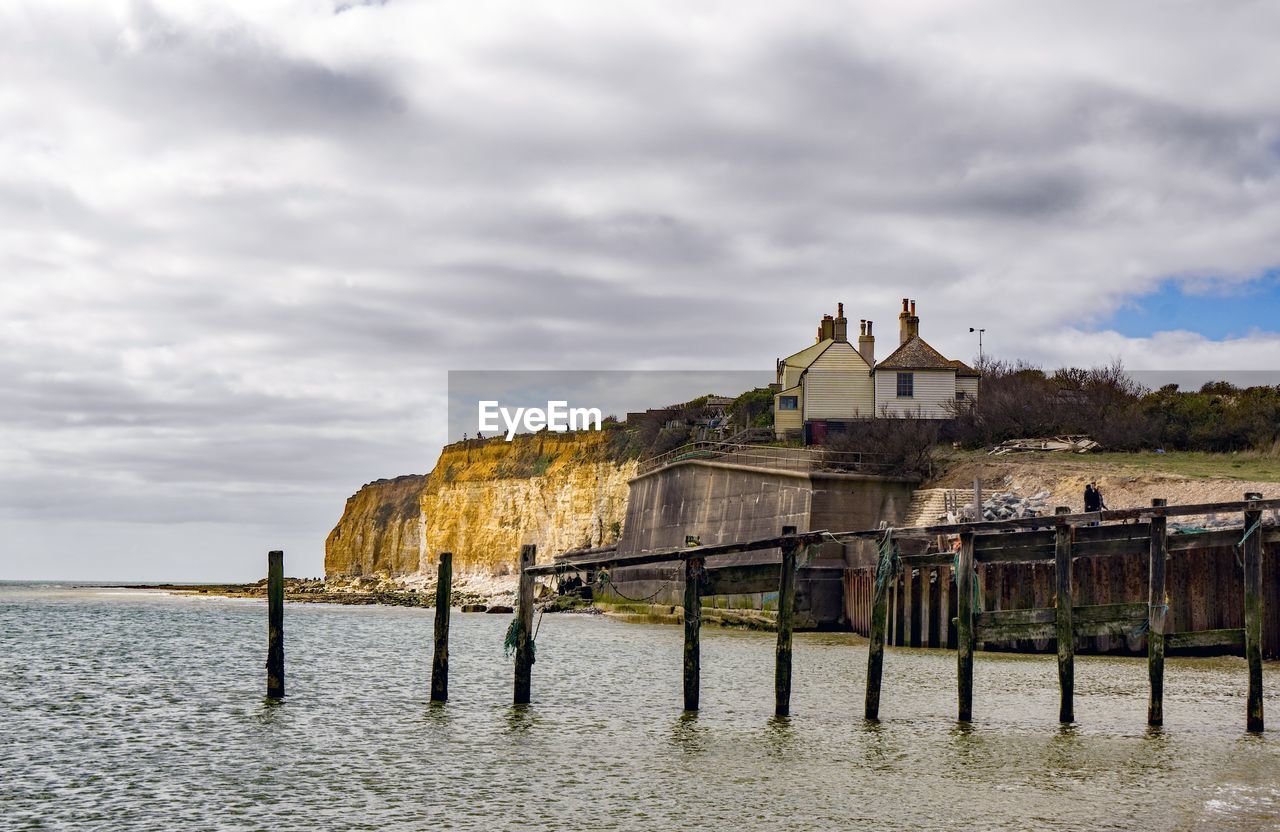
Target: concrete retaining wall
721, 503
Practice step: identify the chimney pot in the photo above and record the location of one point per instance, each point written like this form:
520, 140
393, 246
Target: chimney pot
840, 326
826, 328
867, 344
904, 304
913, 307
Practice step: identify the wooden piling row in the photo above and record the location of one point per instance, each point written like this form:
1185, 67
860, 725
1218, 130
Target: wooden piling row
786, 621
440, 658
913, 600
1063, 628
524, 625
875, 647
964, 628
275, 624
1157, 616
1252, 546
692, 625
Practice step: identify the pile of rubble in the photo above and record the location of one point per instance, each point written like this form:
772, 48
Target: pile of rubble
1076, 444
1007, 505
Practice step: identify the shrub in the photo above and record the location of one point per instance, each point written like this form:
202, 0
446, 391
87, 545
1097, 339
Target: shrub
906, 446
1019, 400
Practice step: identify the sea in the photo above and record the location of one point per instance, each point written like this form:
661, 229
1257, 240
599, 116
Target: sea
131, 709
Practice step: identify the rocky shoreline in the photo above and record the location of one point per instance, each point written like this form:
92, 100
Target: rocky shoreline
367, 592
357, 592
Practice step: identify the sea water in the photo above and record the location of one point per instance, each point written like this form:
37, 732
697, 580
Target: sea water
139, 710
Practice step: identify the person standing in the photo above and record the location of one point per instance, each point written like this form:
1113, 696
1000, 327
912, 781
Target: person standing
1093, 498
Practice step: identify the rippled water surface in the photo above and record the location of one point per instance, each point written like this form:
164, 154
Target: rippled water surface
124, 710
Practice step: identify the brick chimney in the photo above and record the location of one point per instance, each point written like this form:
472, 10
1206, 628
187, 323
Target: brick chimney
840, 329
826, 328
908, 322
867, 343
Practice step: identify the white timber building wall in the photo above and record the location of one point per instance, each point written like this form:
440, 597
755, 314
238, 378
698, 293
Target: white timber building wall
838, 385
933, 394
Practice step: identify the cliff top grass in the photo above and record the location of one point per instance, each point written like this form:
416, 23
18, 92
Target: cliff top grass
527, 455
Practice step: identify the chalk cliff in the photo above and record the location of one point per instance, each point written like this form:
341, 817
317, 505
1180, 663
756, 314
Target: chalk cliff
381, 530
481, 502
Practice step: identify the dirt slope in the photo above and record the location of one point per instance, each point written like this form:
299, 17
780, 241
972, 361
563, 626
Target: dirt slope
1125, 482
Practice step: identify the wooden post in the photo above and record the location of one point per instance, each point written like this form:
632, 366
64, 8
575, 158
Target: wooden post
900, 609
1064, 632
692, 622
879, 624
964, 617
977, 500
1157, 612
913, 616
524, 625
275, 624
786, 621
440, 663
1253, 610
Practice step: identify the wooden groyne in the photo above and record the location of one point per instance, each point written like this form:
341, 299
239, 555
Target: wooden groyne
1206, 570
935, 597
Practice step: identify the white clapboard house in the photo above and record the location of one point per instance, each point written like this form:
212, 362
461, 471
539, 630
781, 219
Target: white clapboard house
831, 384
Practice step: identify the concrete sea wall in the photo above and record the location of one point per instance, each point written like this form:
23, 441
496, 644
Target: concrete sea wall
720, 502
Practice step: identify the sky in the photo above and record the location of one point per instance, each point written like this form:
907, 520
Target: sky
242, 244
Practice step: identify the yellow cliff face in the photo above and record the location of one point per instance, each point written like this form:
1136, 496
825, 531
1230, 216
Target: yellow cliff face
482, 501
380, 532
558, 491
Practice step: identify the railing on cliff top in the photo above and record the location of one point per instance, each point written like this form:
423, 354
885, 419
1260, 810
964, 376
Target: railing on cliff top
766, 456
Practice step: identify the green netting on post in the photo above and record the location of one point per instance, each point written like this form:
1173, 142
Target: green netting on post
512, 641
890, 560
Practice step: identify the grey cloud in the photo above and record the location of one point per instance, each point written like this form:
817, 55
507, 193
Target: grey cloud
240, 252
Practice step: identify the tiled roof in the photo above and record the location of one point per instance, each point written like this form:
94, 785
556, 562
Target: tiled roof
915, 354
963, 369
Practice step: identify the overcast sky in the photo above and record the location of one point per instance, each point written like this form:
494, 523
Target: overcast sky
242, 244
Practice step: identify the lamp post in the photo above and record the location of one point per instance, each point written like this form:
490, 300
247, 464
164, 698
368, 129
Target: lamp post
979, 331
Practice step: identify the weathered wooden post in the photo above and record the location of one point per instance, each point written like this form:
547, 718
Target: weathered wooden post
964, 619
879, 625
1157, 611
524, 625
275, 624
692, 623
1252, 544
1063, 630
786, 621
440, 662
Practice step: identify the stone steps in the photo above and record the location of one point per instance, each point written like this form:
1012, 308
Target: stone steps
928, 507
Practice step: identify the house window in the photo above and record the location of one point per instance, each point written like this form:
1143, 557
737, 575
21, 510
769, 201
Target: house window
906, 385
788, 402
960, 395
